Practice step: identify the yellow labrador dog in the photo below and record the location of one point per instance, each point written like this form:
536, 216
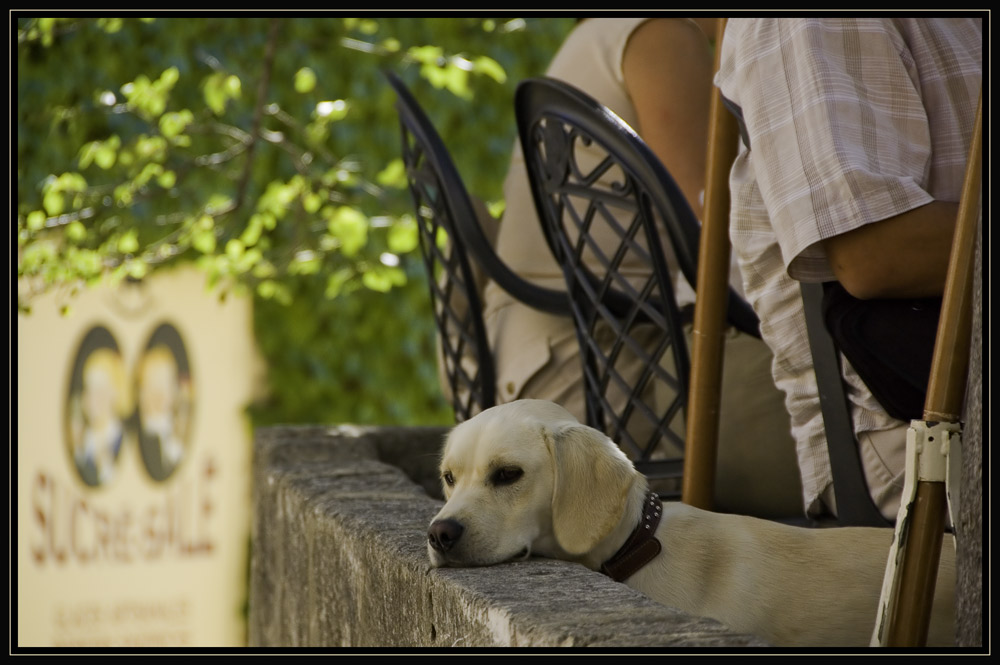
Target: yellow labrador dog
526, 478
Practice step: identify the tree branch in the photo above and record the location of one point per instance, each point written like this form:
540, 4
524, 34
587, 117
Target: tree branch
265, 81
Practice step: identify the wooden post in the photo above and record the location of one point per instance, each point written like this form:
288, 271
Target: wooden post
710, 305
909, 617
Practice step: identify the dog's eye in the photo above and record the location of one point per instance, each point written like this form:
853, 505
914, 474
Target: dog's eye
506, 475
448, 478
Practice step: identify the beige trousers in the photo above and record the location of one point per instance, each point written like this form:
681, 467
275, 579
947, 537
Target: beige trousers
883, 459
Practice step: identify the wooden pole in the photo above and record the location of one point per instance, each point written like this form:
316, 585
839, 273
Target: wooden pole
910, 613
950, 366
710, 305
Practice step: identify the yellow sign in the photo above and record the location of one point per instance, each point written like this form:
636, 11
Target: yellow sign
133, 467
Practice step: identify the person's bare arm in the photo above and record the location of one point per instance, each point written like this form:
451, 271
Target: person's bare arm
668, 74
901, 257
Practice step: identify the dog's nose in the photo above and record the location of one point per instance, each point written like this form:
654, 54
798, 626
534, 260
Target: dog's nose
443, 534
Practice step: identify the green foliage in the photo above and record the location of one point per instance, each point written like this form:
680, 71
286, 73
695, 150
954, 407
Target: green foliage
352, 358
267, 152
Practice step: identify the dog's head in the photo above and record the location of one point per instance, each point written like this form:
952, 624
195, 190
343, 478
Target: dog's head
527, 478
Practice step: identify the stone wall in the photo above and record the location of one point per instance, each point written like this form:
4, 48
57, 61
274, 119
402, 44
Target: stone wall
339, 560
969, 526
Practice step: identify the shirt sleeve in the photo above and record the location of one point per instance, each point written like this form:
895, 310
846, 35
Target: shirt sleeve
837, 130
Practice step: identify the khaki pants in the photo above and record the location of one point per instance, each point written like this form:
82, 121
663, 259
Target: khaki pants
883, 456
883, 459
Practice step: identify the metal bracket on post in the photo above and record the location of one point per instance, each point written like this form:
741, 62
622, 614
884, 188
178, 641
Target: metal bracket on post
933, 454
953, 475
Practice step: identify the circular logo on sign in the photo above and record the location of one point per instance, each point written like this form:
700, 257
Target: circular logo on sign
165, 397
99, 407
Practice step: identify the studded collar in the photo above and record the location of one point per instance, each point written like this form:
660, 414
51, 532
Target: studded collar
641, 547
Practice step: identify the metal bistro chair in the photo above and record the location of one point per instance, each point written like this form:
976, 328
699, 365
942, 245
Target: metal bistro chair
635, 357
454, 247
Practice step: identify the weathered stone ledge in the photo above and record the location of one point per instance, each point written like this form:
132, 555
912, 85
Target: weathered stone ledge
339, 560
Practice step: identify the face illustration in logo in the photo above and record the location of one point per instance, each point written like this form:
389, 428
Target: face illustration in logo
104, 413
99, 408
163, 386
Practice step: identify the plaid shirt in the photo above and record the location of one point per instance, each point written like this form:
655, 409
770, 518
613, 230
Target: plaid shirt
850, 121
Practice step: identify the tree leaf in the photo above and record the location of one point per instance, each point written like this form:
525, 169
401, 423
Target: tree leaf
305, 80
404, 236
128, 243
350, 226
393, 175
54, 202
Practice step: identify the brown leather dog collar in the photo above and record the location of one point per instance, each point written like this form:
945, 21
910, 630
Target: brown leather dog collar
641, 547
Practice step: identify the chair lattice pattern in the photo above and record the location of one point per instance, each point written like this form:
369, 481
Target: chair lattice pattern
600, 223
454, 297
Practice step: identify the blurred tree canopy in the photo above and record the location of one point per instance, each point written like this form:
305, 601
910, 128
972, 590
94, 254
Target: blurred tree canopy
266, 151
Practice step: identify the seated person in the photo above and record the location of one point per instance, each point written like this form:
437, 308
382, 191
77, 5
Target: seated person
858, 131
656, 75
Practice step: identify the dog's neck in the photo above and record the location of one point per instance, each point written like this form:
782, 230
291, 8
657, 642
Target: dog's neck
641, 546
633, 518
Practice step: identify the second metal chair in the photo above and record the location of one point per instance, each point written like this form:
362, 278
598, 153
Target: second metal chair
606, 203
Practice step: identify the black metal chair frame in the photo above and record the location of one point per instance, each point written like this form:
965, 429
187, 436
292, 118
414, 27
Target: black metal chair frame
443, 204
553, 118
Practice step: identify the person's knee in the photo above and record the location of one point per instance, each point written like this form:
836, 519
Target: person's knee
883, 457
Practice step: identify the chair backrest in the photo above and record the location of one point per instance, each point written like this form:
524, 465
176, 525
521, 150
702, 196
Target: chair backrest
605, 201
458, 255
440, 201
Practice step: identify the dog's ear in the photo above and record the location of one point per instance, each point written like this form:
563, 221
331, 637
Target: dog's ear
592, 481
